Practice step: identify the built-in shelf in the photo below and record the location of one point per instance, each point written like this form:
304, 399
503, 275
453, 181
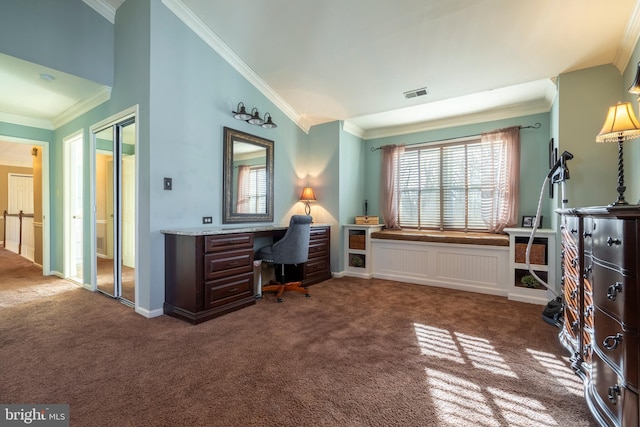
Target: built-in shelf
357, 249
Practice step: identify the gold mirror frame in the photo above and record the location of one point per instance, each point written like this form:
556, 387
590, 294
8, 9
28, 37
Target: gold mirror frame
230, 215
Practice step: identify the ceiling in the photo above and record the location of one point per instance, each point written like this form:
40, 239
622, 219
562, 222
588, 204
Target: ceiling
353, 60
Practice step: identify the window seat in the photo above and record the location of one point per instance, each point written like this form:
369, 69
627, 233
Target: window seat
457, 237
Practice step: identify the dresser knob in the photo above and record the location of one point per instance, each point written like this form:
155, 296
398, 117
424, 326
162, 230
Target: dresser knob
573, 294
614, 392
585, 234
612, 341
611, 241
586, 351
588, 311
612, 292
574, 262
574, 325
573, 231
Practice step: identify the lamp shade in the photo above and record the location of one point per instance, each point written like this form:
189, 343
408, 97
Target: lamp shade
241, 114
307, 195
620, 125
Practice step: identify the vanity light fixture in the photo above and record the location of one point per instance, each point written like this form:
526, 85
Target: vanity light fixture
635, 86
241, 114
620, 125
307, 196
253, 117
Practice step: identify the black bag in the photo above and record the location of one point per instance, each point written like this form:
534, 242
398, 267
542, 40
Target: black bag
552, 313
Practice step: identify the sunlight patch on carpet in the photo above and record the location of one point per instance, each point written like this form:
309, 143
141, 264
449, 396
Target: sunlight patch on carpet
520, 410
25, 294
558, 369
461, 348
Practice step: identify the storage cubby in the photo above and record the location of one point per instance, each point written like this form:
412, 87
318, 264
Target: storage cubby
357, 249
542, 260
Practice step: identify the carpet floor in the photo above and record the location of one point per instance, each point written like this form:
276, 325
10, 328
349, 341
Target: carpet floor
357, 353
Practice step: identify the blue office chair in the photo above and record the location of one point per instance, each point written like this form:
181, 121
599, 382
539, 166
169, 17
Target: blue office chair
293, 248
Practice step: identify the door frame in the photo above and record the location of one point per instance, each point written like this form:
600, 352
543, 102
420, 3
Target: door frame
46, 210
131, 112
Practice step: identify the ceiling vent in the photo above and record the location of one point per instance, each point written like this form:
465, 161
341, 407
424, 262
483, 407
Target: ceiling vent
416, 92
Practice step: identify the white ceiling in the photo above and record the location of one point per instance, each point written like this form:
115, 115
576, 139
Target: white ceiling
352, 60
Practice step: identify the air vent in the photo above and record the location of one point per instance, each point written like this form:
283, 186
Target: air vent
416, 92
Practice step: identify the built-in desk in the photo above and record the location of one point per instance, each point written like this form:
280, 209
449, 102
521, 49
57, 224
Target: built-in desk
209, 271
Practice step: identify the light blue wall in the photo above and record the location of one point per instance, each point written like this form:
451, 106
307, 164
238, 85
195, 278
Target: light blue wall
584, 99
66, 35
534, 161
632, 148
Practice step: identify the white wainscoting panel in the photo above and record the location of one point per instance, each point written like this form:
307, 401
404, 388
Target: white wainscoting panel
474, 268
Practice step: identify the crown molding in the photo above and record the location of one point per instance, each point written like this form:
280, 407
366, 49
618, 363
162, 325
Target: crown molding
196, 25
103, 8
629, 40
26, 121
82, 107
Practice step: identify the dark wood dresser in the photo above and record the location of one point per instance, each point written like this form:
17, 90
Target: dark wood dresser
600, 278
209, 273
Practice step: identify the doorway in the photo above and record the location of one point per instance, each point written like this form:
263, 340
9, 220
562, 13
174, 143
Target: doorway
73, 208
115, 209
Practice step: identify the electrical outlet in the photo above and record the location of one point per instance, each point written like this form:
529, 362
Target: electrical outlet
207, 220
168, 184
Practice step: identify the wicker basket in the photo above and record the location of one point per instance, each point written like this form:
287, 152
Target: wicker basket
537, 255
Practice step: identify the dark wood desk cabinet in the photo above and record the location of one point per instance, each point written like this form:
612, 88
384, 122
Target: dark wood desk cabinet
601, 254
208, 275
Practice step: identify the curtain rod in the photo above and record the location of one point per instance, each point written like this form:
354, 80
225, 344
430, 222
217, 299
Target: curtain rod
535, 126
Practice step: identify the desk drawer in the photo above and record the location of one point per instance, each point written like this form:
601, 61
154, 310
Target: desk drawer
227, 289
226, 242
319, 233
318, 249
228, 263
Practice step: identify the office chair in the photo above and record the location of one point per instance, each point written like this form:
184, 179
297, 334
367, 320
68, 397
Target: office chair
293, 248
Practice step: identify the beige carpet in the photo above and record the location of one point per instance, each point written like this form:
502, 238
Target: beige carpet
358, 353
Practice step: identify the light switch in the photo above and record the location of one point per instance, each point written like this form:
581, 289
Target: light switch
168, 185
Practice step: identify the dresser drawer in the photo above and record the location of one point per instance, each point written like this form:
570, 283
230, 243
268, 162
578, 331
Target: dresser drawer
228, 263
227, 289
617, 345
225, 242
610, 393
616, 294
609, 243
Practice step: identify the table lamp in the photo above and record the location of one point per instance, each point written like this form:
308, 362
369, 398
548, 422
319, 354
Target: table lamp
307, 196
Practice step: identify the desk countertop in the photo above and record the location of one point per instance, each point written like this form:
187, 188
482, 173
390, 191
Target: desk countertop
204, 231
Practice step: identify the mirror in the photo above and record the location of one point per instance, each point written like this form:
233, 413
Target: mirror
248, 178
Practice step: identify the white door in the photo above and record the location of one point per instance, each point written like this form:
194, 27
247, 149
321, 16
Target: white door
20, 236
73, 200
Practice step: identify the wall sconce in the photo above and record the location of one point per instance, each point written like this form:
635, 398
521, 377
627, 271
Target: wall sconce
307, 196
635, 86
253, 117
621, 124
34, 151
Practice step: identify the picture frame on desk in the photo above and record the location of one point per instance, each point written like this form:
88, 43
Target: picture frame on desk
528, 221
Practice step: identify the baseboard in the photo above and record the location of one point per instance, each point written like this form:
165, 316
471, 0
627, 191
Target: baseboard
149, 314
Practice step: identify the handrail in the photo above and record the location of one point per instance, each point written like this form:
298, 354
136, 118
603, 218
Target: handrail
20, 215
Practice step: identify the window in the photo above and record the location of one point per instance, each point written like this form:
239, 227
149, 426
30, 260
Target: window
447, 186
258, 189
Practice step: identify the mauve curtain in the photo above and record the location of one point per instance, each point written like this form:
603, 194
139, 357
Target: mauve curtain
242, 204
388, 175
501, 171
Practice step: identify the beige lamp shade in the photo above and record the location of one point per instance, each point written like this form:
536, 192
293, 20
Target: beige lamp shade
620, 125
307, 195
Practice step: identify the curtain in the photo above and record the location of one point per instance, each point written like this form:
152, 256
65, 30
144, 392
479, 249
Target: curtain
242, 203
388, 176
500, 178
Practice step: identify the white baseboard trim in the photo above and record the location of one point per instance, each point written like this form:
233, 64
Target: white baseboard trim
149, 314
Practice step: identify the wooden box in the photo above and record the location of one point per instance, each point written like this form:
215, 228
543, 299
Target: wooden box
366, 220
537, 255
356, 241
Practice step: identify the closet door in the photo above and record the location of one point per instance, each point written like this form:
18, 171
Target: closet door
115, 180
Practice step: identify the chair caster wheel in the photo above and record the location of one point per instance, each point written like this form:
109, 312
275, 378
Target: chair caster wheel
308, 295
279, 299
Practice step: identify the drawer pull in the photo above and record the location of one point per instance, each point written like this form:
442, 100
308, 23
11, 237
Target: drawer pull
233, 263
612, 292
574, 325
588, 311
612, 341
611, 241
574, 262
573, 231
587, 350
232, 290
585, 234
574, 294
614, 392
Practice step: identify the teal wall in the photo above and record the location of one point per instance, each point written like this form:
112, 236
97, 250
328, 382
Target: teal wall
534, 166
66, 35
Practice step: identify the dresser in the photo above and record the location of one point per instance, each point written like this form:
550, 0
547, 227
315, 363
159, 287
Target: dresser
600, 279
210, 272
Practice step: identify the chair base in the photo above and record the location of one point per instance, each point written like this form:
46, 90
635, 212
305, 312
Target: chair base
281, 288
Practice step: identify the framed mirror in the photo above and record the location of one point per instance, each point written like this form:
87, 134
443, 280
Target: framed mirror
248, 178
